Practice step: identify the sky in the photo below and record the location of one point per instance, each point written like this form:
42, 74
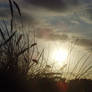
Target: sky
56, 21
60, 19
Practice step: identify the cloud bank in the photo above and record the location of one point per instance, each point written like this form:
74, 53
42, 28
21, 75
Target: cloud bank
53, 4
31, 10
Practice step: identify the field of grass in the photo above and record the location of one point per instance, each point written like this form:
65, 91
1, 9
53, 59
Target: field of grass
21, 72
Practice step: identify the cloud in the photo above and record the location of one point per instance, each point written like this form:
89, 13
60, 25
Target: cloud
49, 34
33, 8
82, 9
85, 43
85, 12
49, 4
60, 37
26, 19
36, 8
5, 14
54, 5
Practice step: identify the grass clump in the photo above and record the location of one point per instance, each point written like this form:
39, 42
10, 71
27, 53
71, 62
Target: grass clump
20, 71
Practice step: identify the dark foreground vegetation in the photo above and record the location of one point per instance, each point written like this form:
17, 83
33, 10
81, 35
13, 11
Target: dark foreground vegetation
16, 83
20, 71
82, 85
12, 82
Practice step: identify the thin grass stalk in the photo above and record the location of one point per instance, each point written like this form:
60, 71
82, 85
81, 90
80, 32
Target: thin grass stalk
68, 65
11, 8
2, 34
72, 47
67, 61
77, 64
41, 61
87, 74
82, 67
40, 55
17, 7
26, 49
6, 41
85, 71
12, 13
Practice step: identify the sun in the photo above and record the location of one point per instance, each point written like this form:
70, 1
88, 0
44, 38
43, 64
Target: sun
59, 55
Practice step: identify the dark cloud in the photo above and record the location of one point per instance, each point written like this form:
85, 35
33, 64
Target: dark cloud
85, 12
85, 43
53, 4
26, 19
64, 6
89, 12
5, 14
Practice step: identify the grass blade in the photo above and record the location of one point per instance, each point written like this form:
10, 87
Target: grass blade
11, 7
33, 44
85, 71
20, 37
2, 34
8, 39
17, 7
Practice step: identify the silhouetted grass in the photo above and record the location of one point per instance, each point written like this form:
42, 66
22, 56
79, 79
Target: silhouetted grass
15, 47
21, 72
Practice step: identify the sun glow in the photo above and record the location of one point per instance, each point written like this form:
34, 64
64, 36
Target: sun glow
59, 55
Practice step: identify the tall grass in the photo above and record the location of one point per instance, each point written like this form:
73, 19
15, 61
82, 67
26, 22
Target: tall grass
20, 56
17, 52
80, 67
